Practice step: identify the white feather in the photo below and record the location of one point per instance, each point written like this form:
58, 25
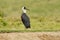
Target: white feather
23, 10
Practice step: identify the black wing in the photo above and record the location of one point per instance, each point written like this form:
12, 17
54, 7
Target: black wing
25, 20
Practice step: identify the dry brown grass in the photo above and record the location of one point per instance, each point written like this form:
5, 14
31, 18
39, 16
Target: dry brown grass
30, 36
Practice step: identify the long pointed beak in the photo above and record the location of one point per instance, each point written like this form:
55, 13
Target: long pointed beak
27, 9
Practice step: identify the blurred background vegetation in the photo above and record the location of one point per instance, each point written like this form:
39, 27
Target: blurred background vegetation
44, 15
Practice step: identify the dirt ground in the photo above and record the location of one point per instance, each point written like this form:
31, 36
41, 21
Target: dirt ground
30, 36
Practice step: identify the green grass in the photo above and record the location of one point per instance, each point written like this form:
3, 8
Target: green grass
44, 15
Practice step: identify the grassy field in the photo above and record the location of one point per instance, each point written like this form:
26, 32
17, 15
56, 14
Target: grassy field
44, 15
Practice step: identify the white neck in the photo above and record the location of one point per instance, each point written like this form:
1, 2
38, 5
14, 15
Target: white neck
23, 10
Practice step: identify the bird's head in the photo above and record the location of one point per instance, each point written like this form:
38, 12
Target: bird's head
24, 9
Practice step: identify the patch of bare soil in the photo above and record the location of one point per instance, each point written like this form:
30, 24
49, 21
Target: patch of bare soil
30, 36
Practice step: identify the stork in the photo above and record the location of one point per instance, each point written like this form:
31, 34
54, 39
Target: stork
25, 19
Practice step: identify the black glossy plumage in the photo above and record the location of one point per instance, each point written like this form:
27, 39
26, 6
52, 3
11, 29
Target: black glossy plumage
26, 21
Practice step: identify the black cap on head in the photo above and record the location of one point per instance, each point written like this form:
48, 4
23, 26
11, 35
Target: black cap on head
24, 7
